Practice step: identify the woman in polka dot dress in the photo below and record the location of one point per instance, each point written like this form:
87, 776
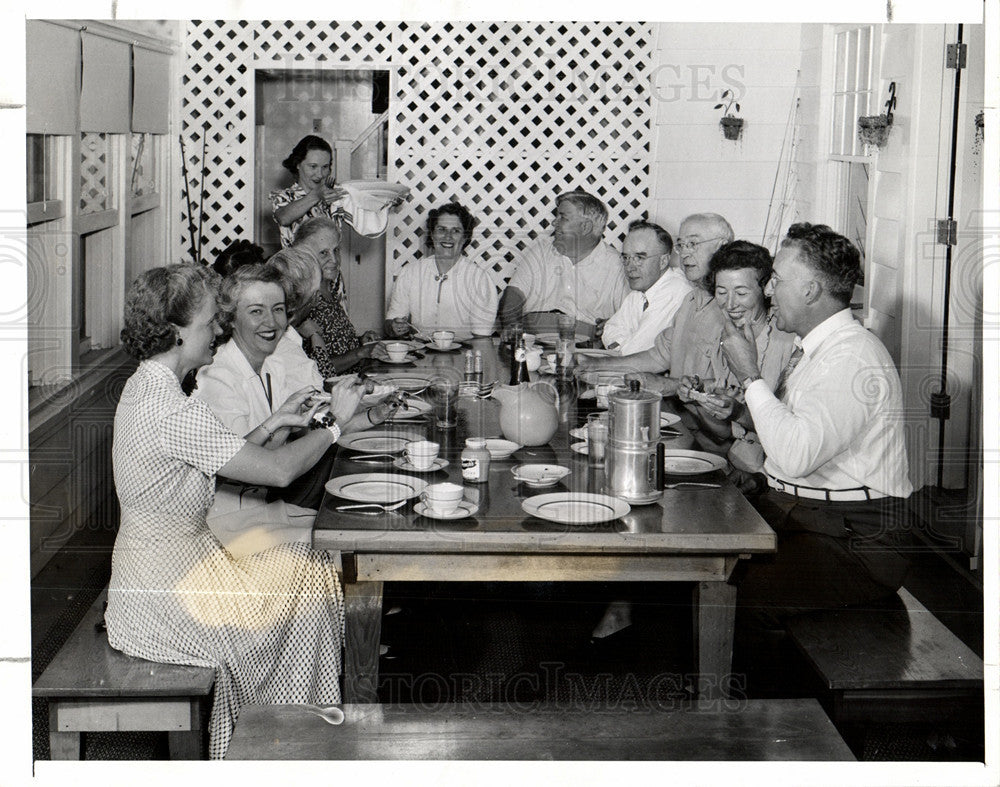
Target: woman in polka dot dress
271, 623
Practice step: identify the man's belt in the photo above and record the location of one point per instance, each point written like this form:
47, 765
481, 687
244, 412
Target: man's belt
852, 495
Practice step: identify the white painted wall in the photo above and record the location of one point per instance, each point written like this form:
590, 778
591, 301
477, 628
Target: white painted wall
694, 168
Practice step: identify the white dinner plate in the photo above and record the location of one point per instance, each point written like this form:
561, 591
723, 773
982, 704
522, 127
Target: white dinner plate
410, 383
679, 462
500, 449
580, 448
377, 442
376, 487
575, 508
404, 464
669, 419
378, 188
465, 508
414, 409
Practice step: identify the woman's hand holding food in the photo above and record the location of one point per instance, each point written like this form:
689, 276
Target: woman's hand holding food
345, 396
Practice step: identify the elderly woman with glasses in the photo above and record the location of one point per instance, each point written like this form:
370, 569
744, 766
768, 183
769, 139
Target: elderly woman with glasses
328, 335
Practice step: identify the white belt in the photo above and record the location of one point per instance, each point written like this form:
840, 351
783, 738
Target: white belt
853, 495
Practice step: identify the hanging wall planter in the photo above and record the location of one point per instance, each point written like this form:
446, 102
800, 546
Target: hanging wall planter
874, 129
732, 126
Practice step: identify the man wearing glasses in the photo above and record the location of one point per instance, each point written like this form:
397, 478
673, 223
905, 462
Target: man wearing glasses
657, 290
687, 347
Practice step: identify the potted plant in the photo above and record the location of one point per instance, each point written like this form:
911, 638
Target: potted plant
732, 126
874, 129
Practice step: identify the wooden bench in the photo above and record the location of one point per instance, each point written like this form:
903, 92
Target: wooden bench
890, 665
719, 730
93, 688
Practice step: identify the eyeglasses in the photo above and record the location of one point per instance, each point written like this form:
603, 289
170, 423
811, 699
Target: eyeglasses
628, 259
688, 245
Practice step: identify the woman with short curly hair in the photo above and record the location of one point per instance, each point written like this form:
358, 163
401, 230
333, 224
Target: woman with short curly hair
444, 290
271, 623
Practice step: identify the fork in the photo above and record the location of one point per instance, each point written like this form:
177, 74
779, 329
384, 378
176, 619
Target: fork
684, 484
379, 506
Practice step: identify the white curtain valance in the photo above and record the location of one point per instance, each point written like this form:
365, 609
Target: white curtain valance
53, 78
105, 96
150, 90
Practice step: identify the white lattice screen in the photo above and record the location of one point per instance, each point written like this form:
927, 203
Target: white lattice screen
95, 173
500, 116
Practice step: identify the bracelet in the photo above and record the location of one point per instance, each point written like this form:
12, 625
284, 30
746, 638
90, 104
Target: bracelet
334, 430
268, 432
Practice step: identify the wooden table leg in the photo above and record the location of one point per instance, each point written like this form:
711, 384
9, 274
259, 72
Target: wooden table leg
714, 618
363, 630
64, 745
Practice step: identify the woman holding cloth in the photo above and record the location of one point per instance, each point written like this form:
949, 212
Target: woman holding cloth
271, 624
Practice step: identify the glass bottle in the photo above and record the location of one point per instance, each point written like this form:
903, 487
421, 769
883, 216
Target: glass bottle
519, 364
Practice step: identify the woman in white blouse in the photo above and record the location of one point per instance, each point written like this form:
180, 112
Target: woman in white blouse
446, 290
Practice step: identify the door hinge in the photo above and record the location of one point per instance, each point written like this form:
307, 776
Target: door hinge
947, 232
956, 55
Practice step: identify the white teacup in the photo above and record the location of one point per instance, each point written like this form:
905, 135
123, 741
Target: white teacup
396, 351
443, 498
421, 453
443, 339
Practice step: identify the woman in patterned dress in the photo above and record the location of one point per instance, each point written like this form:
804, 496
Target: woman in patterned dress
271, 623
313, 193
328, 335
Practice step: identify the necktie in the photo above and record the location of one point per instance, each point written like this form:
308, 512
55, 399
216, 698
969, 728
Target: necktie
645, 303
793, 361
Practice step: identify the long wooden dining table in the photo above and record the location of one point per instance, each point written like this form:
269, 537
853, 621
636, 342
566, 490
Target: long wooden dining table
694, 535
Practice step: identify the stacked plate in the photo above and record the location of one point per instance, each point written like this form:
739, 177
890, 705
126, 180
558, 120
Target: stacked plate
381, 488
575, 508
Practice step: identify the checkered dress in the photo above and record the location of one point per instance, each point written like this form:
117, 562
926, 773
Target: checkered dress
271, 623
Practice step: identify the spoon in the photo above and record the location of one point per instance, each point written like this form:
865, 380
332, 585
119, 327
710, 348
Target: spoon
331, 715
379, 506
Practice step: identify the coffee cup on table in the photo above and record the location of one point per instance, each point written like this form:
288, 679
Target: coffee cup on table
396, 351
421, 453
443, 339
443, 498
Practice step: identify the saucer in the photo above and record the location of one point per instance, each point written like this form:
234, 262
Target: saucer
449, 349
410, 358
465, 509
580, 448
404, 464
540, 476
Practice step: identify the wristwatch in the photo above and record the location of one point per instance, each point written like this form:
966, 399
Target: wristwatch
751, 379
334, 430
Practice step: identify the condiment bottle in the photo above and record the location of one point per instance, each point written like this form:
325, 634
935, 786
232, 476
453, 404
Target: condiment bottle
477, 367
475, 460
519, 364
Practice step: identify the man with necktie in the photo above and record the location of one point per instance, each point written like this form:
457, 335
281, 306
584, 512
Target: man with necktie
657, 290
832, 434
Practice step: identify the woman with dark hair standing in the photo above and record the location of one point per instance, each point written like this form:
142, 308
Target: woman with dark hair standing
445, 290
313, 193
270, 623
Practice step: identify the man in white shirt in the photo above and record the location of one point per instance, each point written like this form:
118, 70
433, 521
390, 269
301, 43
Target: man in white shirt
572, 271
832, 433
657, 290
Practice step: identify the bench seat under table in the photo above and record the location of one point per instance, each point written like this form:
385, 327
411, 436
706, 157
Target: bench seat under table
715, 730
91, 687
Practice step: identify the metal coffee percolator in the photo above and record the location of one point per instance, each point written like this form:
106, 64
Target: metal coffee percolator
634, 459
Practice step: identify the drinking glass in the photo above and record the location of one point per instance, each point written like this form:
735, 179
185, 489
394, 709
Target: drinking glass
597, 438
443, 394
567, 327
